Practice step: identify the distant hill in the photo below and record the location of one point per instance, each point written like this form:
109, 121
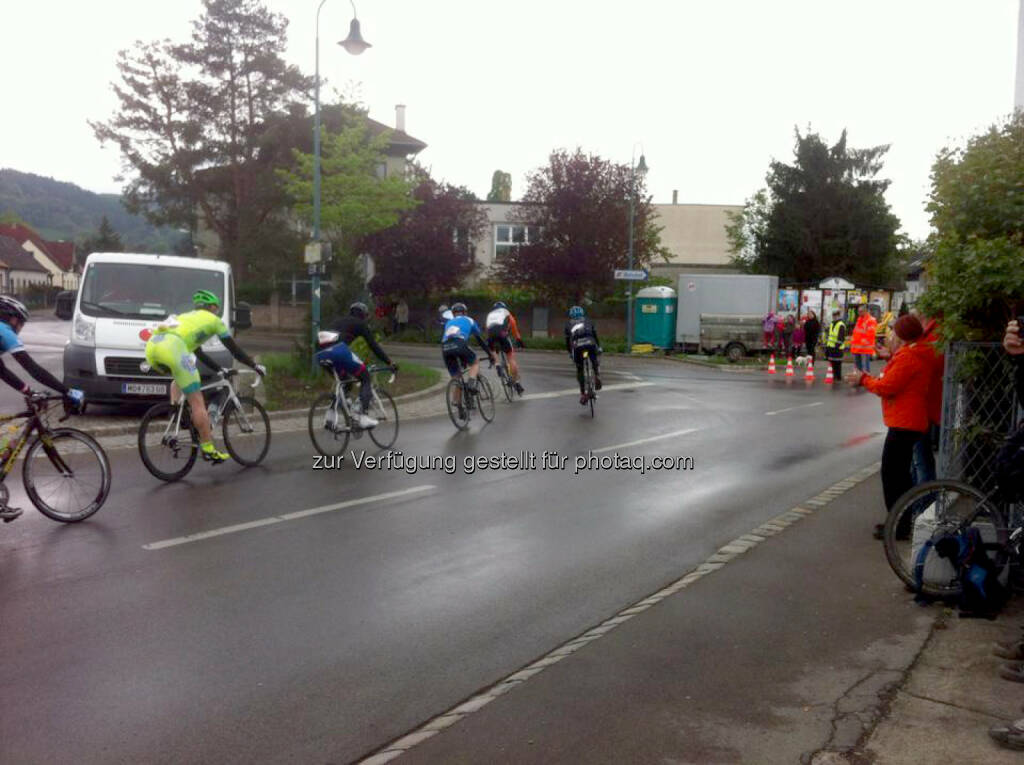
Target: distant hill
60, 210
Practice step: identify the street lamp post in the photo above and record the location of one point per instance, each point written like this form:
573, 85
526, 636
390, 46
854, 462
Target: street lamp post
634, 168
355, 45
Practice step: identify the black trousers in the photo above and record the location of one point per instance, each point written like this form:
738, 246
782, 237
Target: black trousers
897, 458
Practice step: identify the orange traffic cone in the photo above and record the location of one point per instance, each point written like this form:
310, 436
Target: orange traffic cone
789, 367
771, 365
809, 374
829, 379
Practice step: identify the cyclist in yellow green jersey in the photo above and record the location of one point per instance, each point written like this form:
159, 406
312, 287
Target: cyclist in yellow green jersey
174, 349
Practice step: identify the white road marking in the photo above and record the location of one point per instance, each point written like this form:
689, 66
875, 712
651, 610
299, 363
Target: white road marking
282, 518
628, 444
790, 409
722, 557
576, 391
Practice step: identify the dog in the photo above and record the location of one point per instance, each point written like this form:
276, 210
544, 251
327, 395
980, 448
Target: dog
801, 361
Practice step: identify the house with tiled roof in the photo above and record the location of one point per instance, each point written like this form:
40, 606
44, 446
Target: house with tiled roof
59, 265
18, 269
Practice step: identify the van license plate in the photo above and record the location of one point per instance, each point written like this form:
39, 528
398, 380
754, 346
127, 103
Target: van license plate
144, 389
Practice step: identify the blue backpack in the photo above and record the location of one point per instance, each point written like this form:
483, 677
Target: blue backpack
981, 592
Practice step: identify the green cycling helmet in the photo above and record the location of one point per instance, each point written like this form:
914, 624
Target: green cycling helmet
204, 298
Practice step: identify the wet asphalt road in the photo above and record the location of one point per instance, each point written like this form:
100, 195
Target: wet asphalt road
321, 638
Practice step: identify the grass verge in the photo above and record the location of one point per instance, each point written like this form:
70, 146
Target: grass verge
290, 385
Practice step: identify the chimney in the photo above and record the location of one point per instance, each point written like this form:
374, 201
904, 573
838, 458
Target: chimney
400, 118
675, 196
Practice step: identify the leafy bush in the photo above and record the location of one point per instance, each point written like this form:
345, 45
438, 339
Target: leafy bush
257, 293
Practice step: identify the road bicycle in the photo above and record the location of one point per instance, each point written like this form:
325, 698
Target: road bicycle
169, 442
588, 380
935, 509
507, 383
332, 415
66, 472
462, 405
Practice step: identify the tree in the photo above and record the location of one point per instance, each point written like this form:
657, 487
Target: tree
976, 272
430, 248
106, 239
193, 122
356, 199
580, 205
501, 187
824, 215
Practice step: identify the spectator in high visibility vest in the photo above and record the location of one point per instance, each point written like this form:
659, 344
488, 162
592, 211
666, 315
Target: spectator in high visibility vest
863, 343
835, 345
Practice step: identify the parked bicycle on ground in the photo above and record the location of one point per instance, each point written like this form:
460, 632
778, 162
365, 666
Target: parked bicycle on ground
924, 527
333, 417
66, 472
169, 442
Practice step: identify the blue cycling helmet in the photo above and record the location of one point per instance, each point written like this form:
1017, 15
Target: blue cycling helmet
575, 312
499, 304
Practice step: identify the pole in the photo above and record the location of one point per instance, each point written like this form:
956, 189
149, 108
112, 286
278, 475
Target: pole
315, 277
629, 284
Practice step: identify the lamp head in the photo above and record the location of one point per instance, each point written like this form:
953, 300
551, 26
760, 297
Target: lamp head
641, 167
354, 43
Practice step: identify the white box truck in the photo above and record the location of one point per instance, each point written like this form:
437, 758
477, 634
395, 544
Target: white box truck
123, 293
723, 312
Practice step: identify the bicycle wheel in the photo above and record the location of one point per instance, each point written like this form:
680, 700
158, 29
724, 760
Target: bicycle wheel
168, 450
246, 431
66, 475
485, 398
385, 412
929, 511
506, 379
458, 412
329, 436
588, 382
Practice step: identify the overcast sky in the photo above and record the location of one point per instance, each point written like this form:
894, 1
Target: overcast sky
710, 91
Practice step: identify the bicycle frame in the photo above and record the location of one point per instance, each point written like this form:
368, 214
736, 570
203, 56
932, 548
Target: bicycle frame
174, 425
35, 424
341, 385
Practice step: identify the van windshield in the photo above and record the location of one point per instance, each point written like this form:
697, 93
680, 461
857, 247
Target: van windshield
144, 291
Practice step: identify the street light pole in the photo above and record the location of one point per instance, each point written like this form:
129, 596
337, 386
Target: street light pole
634, 168
355, 45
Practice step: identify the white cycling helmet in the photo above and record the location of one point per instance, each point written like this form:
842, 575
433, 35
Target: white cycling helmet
12, 307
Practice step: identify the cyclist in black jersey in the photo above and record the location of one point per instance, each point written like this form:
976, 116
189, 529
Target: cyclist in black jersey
348, 328
581, 335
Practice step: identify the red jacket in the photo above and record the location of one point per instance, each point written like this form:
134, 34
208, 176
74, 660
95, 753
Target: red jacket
938, 363
904, 387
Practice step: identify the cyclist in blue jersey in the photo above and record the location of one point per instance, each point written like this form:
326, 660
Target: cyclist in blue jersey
455, 346
13, 316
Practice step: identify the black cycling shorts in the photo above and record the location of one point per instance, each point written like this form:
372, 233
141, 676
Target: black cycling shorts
457, 355
497, 338
586, 344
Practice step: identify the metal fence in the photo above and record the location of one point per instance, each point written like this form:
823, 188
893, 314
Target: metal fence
979, 409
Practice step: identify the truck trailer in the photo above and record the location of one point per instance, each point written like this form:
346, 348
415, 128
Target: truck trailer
723, 312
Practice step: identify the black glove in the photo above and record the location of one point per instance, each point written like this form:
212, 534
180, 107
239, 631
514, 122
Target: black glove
520, 343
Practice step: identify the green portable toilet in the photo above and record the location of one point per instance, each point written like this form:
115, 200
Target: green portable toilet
656, 317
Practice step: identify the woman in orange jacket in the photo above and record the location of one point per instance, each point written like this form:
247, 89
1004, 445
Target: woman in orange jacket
904, 390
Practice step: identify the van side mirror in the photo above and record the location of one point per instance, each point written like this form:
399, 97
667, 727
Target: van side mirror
242, 316
65, 304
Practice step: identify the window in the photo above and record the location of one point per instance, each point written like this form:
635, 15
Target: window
509, 235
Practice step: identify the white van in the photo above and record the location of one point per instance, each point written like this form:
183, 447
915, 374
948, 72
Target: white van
121, 294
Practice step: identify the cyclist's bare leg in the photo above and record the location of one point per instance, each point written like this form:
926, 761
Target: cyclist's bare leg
513, 365
200, 417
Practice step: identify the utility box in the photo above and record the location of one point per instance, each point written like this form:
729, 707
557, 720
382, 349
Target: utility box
655, 317
721, 295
